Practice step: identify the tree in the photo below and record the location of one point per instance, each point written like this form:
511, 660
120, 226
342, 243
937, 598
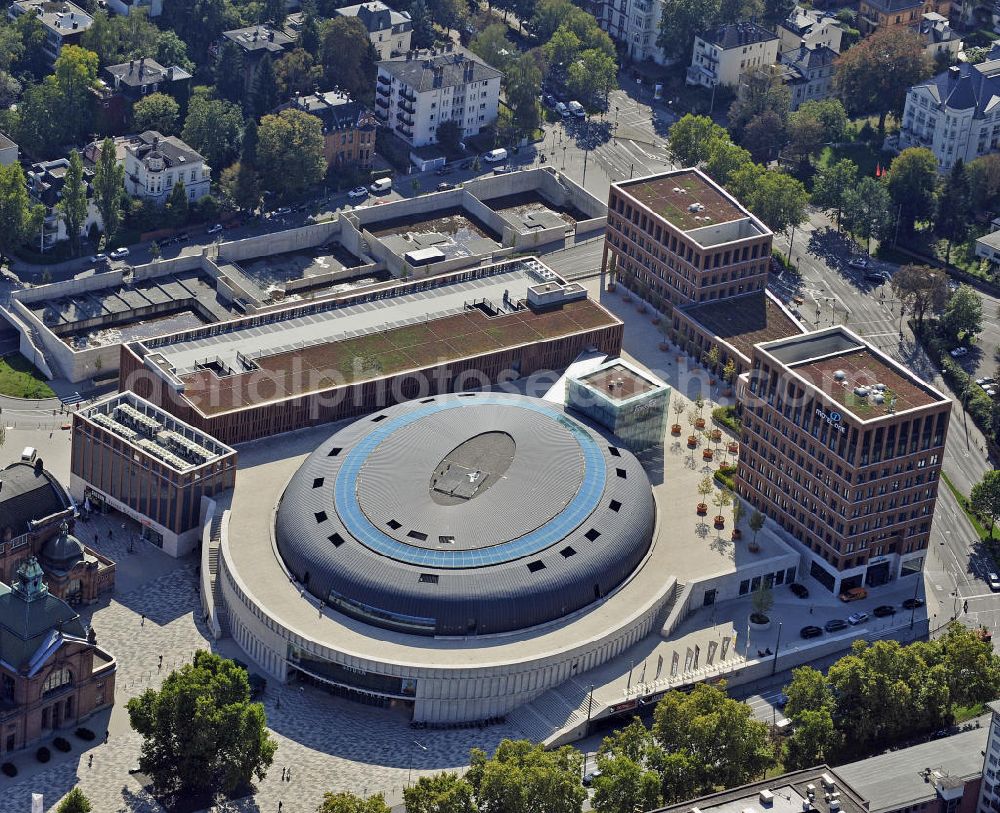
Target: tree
831, 185
240, 186
867, 211
761, 91
264, 97
984, 182
248, 149
348, 57
756, 523
177, 205
109, 189
681, 21
32, 57
524, 83
449, 13
441, 793
691, 139
201, 734
724, 159
171, 51
423, 27
73, 202
764, 135
954, 211
921, 288
815, 123
718, 738
290, 151
985, 497
779, 200
40, 128
913, 184
762, 600
524, 776
296, 72
75, 74
548, 16
230, 68
199, 23
157, 111
874, 75
215, 129
814, 740
972, 670
345, 802
592, 77
963, 314
493, 47
274, 12
776, 11
808, 691
449, 134
625, 786
10, 90
75, 802
19, 218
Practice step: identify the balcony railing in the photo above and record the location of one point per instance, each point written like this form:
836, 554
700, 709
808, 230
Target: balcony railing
408, 95
383, 103
382, 91
404, 119
384, 80
407, 106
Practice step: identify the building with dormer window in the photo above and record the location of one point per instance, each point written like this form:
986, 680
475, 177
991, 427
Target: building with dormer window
388, 30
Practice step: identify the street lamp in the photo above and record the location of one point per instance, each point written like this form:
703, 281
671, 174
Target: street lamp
409, 774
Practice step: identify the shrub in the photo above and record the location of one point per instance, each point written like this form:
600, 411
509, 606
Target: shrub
43, 754
62, 744
727, 417
85, 734
726, 475
9, 769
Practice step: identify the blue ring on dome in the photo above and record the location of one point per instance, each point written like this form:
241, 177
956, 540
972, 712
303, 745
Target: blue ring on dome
582, 505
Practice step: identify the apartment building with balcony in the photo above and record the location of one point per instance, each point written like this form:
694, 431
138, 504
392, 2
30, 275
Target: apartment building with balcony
414, 95
684, 238
634, 24
722, 56
955, 114
842, 448
64, 22
389, 30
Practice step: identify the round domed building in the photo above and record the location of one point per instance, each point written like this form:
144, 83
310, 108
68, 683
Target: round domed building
464, 552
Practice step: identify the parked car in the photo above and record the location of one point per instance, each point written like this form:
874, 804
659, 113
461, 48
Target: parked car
214, 229
810, 632
884, 610
799, 590
877, 277
99, 259
835, 625
119, 253
588, 778
958, 352
358, 192
859, 262
857, 618
549, 100
503, 169
781, 700
990, 391
381, 185
497, 156
444, 186
577, 109
854, 594
993, 580
562, 110
986, 382
913, 603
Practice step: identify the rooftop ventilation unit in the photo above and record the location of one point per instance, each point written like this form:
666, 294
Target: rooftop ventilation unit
861, 392
766, 797
838, 375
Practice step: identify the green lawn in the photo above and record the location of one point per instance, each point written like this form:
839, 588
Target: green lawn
18, 377
983, 531
867, 158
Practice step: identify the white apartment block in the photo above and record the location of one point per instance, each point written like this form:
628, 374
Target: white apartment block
155, 163
956, 114
64, 22
811, 25
722, 56
415, 94
635, 24
389, 31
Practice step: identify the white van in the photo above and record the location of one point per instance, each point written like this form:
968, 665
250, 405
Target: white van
29, 454
577, 110
496, 156
381, 185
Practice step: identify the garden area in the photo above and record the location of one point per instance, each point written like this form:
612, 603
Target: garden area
20, 379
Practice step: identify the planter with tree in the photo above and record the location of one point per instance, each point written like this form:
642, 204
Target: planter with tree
678, 408
699, 406
738, 513
756, 523
729, 375
712, 359
721, 499
761, 601
704, 489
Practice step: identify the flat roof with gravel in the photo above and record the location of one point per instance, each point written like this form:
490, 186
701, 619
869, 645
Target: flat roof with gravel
744, 321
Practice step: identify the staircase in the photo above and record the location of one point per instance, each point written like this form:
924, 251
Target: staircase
214, 539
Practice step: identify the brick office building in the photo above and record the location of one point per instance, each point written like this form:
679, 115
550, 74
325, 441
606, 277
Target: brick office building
842, 447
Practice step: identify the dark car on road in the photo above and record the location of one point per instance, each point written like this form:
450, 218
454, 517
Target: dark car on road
799, 590
913, 603
835, 624
884, 610
810, 632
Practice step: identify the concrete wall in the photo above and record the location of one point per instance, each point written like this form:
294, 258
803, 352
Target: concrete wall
328, 277
315, 234
584, 227
524, 241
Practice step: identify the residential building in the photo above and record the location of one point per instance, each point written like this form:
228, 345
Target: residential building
121, 86
842, 448
53, 676
989, 796
943, 43
155, 163
812, 25
151, 8
722, 56
36, 516
988, 248
45, 183
415, 94
64, 22
955, 114
873, 14
388, 29
8, 151
255, 41
348, 127
807, 72
685, 239
634, 24
129, 456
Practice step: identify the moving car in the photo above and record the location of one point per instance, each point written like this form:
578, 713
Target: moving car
835, 625
993, 580
859, 262
358, 192
913, 603
799, 590
381, 185
854, 594
444, 186
497, 156
119, 253
810, 632
884, 610
958, 352
214, 229
857, 618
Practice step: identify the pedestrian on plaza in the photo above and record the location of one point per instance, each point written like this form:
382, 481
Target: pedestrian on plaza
111, 534
90, 762
283, 774
106, 735
810, 610
280, 805
288, 778
161, 663
142, 620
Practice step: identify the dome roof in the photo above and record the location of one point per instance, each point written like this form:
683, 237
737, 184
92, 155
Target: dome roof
63, 551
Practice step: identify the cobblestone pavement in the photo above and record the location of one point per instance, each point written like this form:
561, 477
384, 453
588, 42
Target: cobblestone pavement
328, 743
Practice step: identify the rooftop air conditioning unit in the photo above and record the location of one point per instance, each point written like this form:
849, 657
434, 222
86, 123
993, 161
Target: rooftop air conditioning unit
838, 375
766, 797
